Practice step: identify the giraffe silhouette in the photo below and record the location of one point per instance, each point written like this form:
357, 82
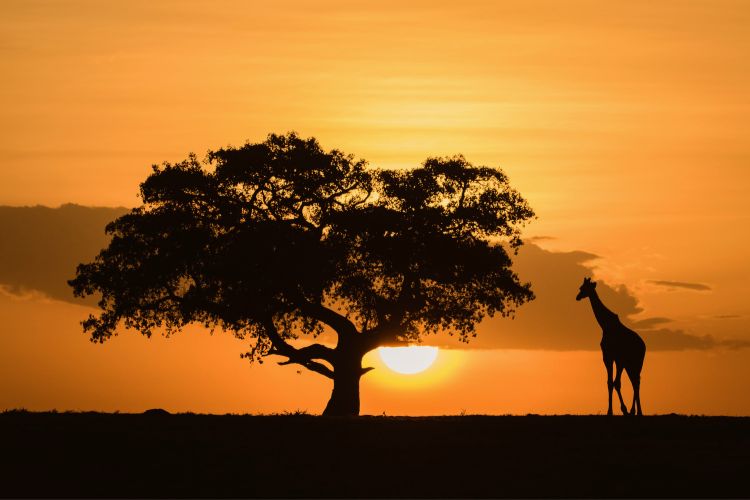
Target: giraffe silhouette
621, 347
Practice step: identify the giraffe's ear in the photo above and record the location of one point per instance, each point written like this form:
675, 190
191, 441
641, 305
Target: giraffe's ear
593, 283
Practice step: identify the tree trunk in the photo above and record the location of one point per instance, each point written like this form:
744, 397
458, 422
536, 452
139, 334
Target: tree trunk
344, 400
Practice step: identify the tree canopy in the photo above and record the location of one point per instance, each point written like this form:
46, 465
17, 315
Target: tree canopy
276, 240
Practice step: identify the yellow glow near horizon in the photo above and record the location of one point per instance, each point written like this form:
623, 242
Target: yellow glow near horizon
408, 360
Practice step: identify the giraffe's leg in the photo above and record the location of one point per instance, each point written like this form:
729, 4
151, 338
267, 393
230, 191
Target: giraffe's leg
618, 385
638, 386
637, 390
610, 384
635, 379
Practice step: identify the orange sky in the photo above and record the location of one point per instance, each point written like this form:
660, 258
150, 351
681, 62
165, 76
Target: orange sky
624, 124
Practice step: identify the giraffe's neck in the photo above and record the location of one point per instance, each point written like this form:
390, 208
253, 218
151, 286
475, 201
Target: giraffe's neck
604, 316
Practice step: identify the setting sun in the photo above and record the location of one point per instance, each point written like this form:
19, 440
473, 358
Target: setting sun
408, 360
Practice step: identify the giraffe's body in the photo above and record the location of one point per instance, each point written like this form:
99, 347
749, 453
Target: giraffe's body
622, 349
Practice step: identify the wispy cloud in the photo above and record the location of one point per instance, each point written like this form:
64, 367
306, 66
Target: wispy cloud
650, 322
700, 287
665, 339
534, 239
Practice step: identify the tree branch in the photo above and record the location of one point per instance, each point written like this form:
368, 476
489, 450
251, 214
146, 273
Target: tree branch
313, 366
304, 356
341, 324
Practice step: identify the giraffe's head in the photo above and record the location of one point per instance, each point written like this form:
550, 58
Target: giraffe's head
587, 288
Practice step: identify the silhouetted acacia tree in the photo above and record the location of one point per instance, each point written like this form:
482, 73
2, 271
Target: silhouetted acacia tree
280, 239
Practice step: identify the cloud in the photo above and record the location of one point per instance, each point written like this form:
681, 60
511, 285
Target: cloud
677, 340
650, 322
40, 248
672, 285
555, 321
535, 239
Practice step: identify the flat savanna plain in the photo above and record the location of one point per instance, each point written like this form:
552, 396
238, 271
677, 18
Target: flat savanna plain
186, 455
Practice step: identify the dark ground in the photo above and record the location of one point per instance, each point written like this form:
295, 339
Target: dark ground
104, 455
